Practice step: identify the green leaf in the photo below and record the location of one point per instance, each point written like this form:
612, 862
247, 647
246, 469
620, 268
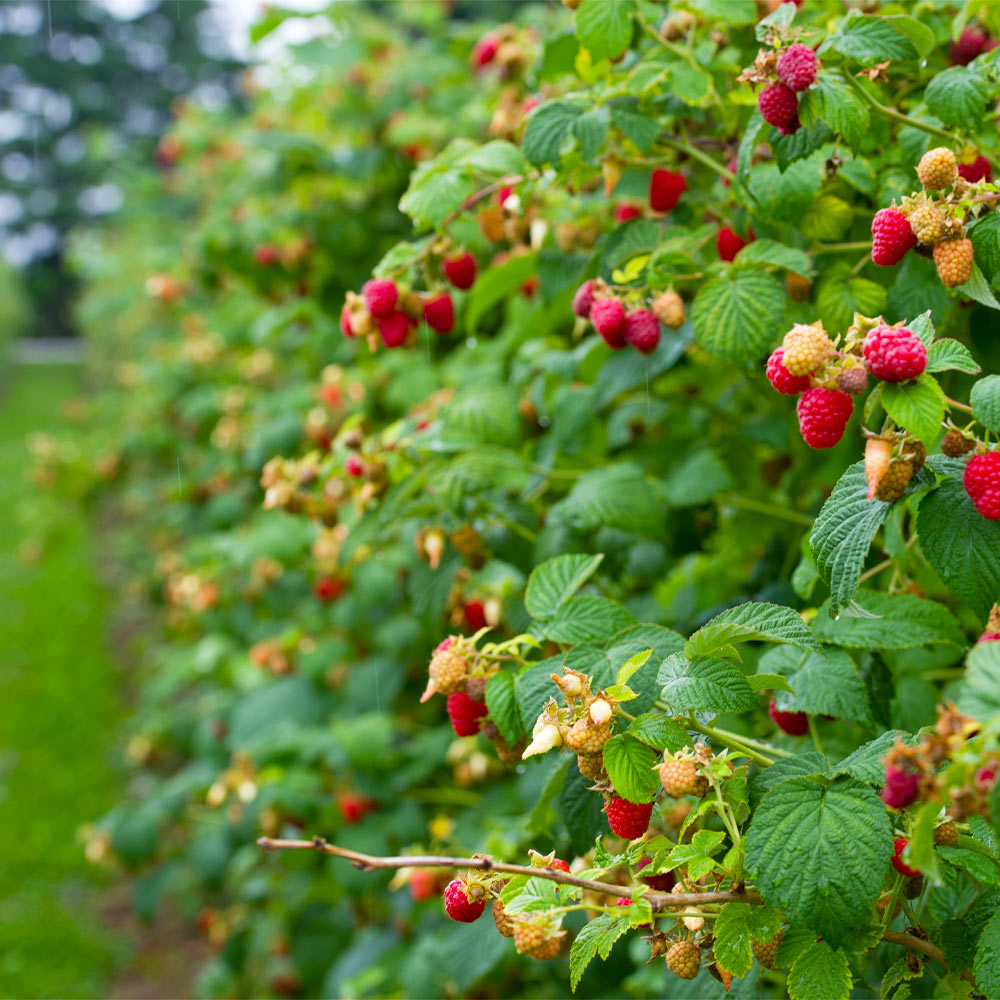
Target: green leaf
615, 496
985, 400
918, 33
586, 618
901, 621
818, 851
820, 973
548, 125
921, 846
630, 765
501, 700
833, 101
867, 762
917, 406
769, 682
604, 27
872, 39
485, 414
659, 732
632, 665
979, 694
898, 972
601, 933
496, 158
733, 940
641, 129
770, 253
591, 130
553, 583
735, 316
690, 84
839, 295
977, 288
581, 811
496, 284
983, 869
748, 144
781, 18
698, 479
985, 238
986, 967
436, 190
824, 683
958, 96
961, 545
828, 218
751, 622
704, 685
949, 355
783, 769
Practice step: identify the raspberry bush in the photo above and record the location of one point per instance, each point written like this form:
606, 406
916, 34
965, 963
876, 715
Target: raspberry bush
566, 439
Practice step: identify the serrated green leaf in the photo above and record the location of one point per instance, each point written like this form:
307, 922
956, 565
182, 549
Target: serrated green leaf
917, 406
495, 158
979, 694
733, 940
591, 130
978, 289
839, 295
902, 621
501, 700
581, 811
697, 480
949, 355
820, 973
704, 684
690, 84
554, 582
985, 238
986, 967
735, 316
588, 618
922, 855
615, 496
825, 683
604, 27
496, 284
769, 682
770, 253
985, 400
630, 766
872, 39
983, 869
898, 972
828, 218
750, 622
831, 100
632, 665
548, 125
659, 732
867, 763
958, 96
640, 128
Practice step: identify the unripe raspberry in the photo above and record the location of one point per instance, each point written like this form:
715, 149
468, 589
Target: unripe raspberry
729, 242
798, 286
766, 952
684, 959
503, 920
557, 864
797, 67
953, 260
608, 317
807, 349
587, 739
600, 711
669, 309
778, 105
978, 170
781, 378
892, 237
465, 713
439, 313
448, 669
900, 787
678, 777
793, 723
591, 767
380, 296
982, 482
463, 902
642, 330
394, 328
896, 479
823, 416
894, 355
535, 938
853, 380
955, 443
937, 169
345, 321
583, 300
460, 270
628, 819
946, 834
928, 224
665, 190
898, 846
878, 454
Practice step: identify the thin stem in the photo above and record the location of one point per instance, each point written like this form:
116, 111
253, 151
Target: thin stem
755, 744
915, 944
733, 743
814, 733
897, 116
841, 247
759, 507
697, 154
957, 405
885, 564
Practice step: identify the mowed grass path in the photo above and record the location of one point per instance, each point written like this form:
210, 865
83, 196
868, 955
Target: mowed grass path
59, 713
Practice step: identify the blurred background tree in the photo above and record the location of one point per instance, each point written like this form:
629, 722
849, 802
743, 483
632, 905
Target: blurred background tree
85, 87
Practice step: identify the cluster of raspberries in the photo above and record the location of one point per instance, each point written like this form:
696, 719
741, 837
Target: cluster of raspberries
618, 327
927, 225
779, 102
395, 313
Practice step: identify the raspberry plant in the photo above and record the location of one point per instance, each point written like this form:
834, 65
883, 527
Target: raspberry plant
484, 535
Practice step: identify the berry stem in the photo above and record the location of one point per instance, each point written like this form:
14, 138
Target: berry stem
814, 733
728, 740
759, 507
696, 154
841, 247
957, 405
897, 116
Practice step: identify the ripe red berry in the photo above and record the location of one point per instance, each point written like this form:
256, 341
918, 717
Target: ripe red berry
969, 45
982, 482
781, 378
623, 901
900, 787
642, 330
423, 884
439, 313
797, 67
989, 637
894, 355
978, 170
778, 105
823, 416
629, 819
459, 906
986, 776
460, 270
559, 865
661, 883
583, 300
353, 466
608, 317
793, 723
485, 50
345, 322
475, 615
729, 242
465, 713
328, 588
898, 846
380, 296
266, 254
394, 328
792, 127
625, 212
353, 808
665, 190
892, 237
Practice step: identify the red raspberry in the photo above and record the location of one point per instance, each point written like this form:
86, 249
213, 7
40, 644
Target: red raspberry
986, 777
423, 884
608, 317
353, 808
583, 300
485, 50
900, 787
781, 378
394, 328
642, 330
380, 295
898, 846
665, 190
969, 45
989, 637
978, 170
797, 67
623, 901
793, 723
353, 466
661, 883
459, 906
559, 865
328, 588
345, 322
625, 212
982, 482
894, 355
465, 713
439, 313
460, 270
266, 254
792, 127
778, 105
823, 416
629, 819
475, 615
729, 242
891, 237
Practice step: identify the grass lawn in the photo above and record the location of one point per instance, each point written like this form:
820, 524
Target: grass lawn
59, 713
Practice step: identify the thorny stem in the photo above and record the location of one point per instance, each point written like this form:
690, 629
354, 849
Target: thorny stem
897, 116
